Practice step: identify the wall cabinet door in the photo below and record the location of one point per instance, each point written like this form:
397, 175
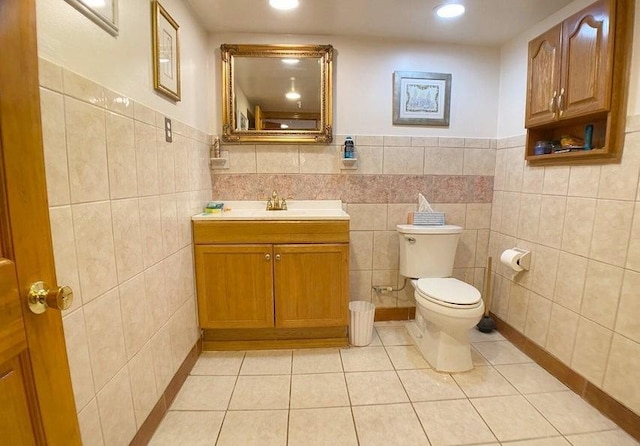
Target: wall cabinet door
543, 85
569, 72
311, 285
587, 49
235, 286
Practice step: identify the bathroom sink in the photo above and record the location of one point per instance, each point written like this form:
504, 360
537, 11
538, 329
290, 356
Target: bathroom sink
297, 210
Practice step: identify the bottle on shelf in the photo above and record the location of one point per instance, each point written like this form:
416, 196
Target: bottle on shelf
588, 137
349, 148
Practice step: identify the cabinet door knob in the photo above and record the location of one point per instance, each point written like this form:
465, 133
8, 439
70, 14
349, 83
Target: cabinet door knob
552, 102
267, 257
561, 101
278, 257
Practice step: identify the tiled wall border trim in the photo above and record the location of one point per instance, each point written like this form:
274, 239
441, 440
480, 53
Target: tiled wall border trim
148, 428
357, 188
617, 412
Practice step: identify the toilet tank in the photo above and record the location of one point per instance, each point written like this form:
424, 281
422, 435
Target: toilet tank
428, 251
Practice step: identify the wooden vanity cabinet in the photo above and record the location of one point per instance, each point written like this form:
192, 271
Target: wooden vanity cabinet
578, 75
272, 284
311, 285
235, 286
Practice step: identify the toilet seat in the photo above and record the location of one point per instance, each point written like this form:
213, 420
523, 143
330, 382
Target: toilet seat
448, 292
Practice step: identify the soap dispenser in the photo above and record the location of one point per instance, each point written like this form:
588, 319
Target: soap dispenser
349, 148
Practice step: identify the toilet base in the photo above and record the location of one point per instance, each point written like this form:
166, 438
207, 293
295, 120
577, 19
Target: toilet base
444, 351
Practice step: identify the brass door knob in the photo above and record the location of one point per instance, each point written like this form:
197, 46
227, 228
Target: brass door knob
41, 297
552, 102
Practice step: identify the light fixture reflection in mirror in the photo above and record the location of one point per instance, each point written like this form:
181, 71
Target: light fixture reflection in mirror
277, 93
293, 95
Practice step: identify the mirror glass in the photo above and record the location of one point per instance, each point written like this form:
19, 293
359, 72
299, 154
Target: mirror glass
277, 93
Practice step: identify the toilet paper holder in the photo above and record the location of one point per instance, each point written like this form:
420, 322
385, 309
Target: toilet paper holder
522, 258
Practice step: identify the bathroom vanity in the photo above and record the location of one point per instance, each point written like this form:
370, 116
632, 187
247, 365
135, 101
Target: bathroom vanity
273, 279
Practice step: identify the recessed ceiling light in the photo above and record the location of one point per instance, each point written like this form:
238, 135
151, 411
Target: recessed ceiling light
290, 61
284, 126
284, 4
449, 10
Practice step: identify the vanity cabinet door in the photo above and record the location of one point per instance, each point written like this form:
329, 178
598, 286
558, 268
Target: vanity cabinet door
235, 285
311, 285
544, 78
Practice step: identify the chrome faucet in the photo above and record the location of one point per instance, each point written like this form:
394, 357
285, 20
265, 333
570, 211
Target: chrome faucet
276, 203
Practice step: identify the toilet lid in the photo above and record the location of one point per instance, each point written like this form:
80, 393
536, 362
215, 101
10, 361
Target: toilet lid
449, 290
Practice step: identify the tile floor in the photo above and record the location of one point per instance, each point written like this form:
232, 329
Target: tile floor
382, 394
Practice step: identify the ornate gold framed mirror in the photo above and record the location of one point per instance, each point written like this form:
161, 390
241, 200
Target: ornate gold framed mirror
277, 93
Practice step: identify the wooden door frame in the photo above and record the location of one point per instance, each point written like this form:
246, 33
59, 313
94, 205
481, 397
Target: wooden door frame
25, 232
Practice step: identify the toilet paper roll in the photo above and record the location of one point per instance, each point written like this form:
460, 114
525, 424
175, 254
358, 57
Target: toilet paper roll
510, 257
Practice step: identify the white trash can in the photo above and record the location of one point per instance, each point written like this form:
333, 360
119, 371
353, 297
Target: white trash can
361, 315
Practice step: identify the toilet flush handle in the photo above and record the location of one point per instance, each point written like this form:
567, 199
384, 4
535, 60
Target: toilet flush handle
411, 240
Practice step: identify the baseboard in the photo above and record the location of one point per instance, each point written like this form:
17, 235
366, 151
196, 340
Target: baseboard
276, 344
395, 314
146, 431
605, 403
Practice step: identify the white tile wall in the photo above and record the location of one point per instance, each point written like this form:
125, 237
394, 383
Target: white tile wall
374, 240
375, 252
120, 200
393, 155
583, 286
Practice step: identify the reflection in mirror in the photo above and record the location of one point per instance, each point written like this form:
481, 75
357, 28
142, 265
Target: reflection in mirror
277, 93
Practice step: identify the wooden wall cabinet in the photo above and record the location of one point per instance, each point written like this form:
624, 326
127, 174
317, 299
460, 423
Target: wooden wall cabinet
272, 284
578, 75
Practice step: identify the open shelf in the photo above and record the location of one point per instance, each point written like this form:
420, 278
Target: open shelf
604, 149
349, 163
219, 163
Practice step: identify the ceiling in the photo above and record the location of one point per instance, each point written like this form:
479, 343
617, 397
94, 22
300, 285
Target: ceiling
486, 22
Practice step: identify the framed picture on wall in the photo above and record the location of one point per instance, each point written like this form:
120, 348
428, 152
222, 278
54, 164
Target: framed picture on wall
166, 52
103, 13
421, 98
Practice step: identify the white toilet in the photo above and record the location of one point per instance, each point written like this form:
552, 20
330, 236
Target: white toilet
446, 308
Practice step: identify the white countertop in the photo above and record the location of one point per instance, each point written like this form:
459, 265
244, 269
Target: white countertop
297, 210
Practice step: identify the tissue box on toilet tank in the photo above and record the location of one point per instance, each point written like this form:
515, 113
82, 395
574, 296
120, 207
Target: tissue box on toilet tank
426, 218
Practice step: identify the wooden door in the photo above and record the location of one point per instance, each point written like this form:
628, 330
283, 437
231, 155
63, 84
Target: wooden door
235, 286
19, 421
36, 398
544, 78
587, 48
311, 285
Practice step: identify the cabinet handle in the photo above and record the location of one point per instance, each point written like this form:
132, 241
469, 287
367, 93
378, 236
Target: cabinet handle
277, 257
561, 101
552, 102
267, 257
